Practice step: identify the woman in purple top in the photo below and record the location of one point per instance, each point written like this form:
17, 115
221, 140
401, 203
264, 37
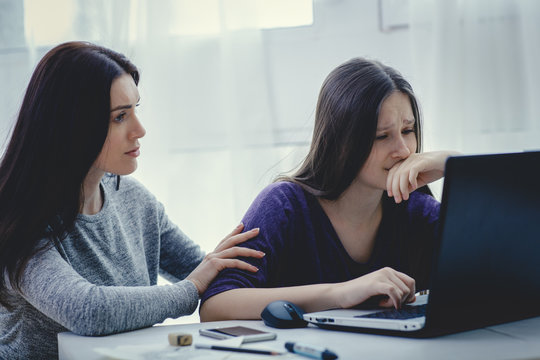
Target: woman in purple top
348, 225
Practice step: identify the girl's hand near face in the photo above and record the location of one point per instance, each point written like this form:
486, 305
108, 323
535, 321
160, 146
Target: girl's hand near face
223, 257
417, 170
396, 288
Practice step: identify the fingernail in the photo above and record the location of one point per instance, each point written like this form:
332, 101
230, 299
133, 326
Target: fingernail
261, 253
255, 230
239, 225
255, 268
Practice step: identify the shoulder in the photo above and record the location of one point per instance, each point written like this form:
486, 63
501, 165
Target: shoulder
284, 189
281, 193
131, 196
129, 188
279, 199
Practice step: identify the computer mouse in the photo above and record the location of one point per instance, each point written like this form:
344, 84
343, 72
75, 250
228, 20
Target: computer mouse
283, 315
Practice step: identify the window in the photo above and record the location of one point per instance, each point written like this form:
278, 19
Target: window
47, 22
206, 17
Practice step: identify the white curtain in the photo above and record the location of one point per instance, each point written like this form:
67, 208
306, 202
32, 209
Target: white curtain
476, 66
206, 109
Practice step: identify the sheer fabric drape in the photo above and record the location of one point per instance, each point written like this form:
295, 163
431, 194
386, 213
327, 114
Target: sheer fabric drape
476, 66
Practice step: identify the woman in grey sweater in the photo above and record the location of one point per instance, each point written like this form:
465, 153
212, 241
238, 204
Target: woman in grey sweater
79, 250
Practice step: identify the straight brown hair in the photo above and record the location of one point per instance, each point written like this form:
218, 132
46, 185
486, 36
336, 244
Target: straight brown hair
60, 131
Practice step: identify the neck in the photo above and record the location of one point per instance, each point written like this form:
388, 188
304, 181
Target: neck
356, 206
356, 216
93, 199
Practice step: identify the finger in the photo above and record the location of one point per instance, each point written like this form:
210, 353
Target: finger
237, 230
413, 180
386, 302
395, 294
237, 264
390, 178
404, 185
385, 286
389, 182
395, 187
237, 239
404, 289
408, 181
397, 289
410, 284
236, 252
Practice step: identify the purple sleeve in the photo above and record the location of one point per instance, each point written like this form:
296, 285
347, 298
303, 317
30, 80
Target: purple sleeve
423, 212
272, 211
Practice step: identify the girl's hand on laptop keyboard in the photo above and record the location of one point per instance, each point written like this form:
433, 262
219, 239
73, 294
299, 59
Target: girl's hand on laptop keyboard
395, 287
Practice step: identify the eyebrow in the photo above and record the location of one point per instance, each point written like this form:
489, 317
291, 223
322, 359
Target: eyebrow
124, 107
406, 122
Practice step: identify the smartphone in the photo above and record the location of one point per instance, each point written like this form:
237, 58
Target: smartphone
249, 334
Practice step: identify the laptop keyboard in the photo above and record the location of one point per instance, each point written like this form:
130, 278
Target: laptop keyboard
406, 312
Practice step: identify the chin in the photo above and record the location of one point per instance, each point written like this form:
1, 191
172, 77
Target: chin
125, 171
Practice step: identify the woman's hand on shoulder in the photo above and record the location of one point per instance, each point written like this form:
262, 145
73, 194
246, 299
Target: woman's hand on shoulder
417, 170
395, 288
224, 256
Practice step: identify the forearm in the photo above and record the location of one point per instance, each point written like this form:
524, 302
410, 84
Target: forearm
60, 293
248, 303
106, 310
128, 308
440, 157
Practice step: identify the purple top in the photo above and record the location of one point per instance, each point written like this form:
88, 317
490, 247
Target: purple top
303, 248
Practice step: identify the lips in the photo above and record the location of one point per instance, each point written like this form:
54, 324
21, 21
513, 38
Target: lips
135, 152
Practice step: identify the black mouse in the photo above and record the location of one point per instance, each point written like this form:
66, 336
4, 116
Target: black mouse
283, 315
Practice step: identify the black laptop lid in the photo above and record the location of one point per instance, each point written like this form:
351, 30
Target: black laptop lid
487, 269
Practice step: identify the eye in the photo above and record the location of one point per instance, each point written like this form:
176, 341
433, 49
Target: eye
381, 137
121, 117
408, 131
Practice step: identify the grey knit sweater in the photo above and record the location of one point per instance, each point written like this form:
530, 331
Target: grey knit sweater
102, 278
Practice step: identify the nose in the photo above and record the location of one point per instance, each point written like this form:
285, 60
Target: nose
401, 150
138, 131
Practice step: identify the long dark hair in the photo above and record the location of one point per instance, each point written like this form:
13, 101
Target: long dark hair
59, 133
345, 125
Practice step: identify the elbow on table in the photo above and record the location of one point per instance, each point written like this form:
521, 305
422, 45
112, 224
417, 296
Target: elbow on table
95, 320
223, 306
88, 328
212, 310
233, 304
93, 323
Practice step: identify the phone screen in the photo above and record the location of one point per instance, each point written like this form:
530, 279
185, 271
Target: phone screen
238, 331
248, 334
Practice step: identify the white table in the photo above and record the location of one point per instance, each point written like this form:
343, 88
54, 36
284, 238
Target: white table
517, 340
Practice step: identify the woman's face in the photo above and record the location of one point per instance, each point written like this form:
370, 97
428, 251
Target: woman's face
121, 148
394, 141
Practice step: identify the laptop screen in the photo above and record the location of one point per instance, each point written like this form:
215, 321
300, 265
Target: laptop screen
487, 267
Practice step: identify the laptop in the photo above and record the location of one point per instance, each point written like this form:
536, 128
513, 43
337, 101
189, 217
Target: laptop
486, 265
